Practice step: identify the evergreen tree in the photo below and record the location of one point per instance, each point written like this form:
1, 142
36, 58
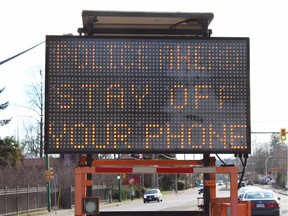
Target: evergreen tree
10, 152
2, 107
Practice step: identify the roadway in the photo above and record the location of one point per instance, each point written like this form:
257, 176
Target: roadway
181, 201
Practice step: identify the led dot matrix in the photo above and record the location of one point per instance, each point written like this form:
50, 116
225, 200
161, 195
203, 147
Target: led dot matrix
153, 95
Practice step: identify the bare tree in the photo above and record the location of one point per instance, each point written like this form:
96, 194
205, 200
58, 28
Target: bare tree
276, 151
36, 104
30, 143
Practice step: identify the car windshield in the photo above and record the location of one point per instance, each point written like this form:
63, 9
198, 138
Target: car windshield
151, 192
259, 195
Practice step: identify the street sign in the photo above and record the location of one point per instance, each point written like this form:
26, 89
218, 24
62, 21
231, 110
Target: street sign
117, 95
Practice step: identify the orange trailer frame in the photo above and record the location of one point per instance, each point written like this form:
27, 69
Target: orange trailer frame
168, 167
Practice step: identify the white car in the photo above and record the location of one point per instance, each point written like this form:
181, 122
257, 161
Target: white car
263, 202
152, 195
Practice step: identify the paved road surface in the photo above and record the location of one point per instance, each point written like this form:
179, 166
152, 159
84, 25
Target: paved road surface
115, 205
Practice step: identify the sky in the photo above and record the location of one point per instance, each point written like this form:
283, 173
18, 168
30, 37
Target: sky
26, 23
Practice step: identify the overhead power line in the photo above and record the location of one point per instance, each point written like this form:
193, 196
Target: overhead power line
2, 62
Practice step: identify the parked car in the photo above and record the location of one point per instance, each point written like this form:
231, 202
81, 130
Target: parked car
152, 195
242, 184
200, 189
263, 202
271, 182
220, 183
249, 182
261, 181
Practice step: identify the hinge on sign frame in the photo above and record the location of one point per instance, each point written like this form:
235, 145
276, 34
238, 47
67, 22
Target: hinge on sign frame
90, 24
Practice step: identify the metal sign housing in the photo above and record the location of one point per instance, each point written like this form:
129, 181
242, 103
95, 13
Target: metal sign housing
152, 95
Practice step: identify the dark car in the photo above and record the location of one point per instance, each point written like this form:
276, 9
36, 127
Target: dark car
242, 184
263, 202
200, 189
152, 195
249, 182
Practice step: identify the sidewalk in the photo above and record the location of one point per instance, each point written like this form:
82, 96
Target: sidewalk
69, 212
280, 191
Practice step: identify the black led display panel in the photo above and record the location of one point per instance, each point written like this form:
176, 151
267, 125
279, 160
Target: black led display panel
147, 95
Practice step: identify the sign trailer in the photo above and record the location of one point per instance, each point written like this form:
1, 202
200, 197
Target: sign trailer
148, 83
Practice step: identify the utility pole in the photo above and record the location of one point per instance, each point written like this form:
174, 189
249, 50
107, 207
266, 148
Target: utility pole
41, 115
48, 185
119, 184
266, 172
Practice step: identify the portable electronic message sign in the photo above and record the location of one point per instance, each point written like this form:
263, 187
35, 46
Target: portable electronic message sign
117, 95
